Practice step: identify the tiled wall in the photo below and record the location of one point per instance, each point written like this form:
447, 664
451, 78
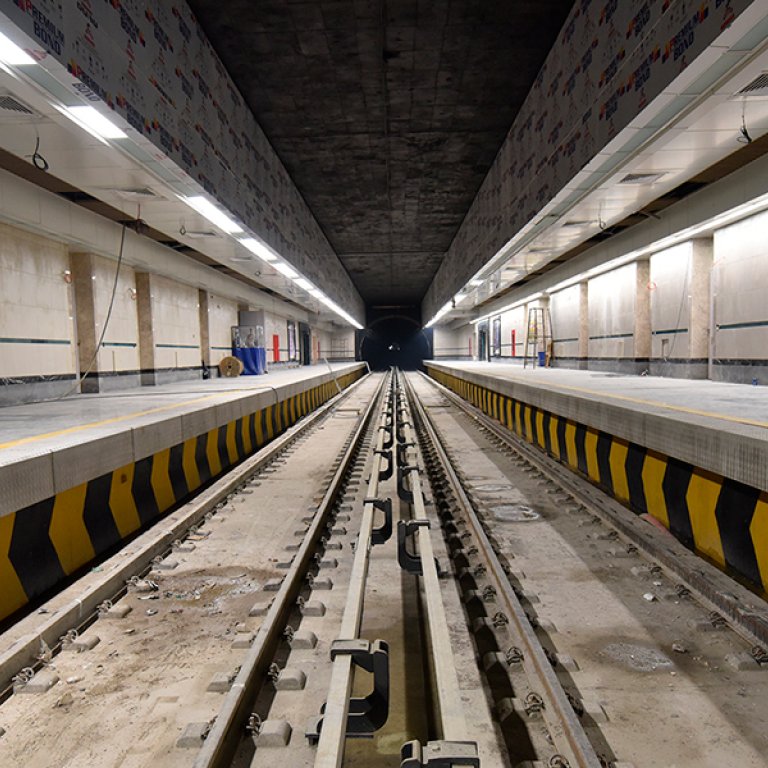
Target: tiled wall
176, 322
36, 327
120, 351
222, 315
740, 276
670, 301
612, 314
564, 309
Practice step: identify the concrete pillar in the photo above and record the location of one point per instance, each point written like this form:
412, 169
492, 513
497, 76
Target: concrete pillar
583, 353
81, 265
699, 322
146, 328
643, 313
205, 329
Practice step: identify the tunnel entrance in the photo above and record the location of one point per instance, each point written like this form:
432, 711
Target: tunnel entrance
394, 337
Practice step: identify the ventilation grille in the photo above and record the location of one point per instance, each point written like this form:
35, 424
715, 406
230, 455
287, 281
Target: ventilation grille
10, 104
641, 178
133, 193
758, 87
579, 223
199, 234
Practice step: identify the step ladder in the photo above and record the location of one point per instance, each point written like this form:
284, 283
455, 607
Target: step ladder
538, 337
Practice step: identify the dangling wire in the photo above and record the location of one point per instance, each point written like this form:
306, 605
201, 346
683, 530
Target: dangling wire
744, 138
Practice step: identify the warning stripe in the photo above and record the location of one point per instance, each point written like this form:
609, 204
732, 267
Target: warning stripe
720, 518
44, 543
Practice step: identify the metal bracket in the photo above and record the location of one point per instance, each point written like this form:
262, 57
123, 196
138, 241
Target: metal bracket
384, 531
389, 439
401, 449
368, 713
385, 474
409, 562
400, 436
402, 491
439, 754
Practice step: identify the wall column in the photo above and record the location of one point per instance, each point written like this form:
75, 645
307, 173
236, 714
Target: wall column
81, 265
642, 314
146, 328
205, 328
699, 322
583, 352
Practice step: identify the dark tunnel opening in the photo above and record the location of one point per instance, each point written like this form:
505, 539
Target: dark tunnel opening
394, 340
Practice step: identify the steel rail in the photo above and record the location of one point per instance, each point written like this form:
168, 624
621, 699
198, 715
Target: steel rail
330, 748
137, 556
228, 728
451, 722
565, 727
715, 590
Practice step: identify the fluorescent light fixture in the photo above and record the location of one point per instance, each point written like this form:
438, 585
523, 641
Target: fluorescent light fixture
507, 308
475, 283
258, 249
459, 297
92, 121
11, 54
705, 227
316, 293
334, 307
207, 209
303, 284
285, 269
439, 315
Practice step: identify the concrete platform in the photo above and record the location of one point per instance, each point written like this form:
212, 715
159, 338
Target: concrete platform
693, 454
80, 475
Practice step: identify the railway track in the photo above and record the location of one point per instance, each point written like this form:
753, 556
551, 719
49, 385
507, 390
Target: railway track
398, 581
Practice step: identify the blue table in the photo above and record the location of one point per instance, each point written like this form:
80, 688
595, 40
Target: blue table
254, 360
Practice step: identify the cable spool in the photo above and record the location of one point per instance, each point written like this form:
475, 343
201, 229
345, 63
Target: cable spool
230, 367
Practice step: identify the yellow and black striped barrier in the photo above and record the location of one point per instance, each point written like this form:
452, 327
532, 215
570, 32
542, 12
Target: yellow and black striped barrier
44, 543
721, 519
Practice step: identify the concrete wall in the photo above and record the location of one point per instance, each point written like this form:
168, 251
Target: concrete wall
37, 339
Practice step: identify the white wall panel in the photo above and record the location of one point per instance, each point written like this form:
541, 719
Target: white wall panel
36, 328
670, 301
612, 313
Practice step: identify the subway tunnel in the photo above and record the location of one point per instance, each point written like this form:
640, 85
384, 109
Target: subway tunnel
382, 382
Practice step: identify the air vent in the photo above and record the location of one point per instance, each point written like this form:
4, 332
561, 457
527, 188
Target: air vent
641, 178
9, 103
133, 193
758, 87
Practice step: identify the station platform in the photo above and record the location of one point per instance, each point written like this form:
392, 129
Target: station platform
692, 454
82, 474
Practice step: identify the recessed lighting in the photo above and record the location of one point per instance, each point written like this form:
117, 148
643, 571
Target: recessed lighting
303, 284
207, 209
11, 54
285, 269
92, 121
258, 249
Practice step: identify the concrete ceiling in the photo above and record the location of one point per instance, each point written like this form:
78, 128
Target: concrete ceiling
386, 113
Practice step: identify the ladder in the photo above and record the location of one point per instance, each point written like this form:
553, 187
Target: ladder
538, 337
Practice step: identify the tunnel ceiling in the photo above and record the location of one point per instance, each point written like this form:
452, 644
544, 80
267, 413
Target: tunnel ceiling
387, 114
